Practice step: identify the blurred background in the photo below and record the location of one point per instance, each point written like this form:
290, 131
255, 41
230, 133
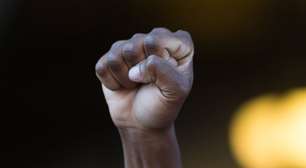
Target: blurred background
58, 117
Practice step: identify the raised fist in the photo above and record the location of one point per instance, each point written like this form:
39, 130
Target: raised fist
147, 78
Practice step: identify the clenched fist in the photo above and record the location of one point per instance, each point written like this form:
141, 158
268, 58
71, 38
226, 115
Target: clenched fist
147, 78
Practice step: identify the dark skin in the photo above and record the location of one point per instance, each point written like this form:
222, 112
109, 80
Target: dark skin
145, 81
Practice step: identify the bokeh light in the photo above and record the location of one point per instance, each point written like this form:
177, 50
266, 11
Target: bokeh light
270, 131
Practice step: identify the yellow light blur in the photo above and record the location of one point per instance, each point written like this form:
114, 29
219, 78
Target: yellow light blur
270, 131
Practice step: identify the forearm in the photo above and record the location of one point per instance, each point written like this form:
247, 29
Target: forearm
150, 149
145, 81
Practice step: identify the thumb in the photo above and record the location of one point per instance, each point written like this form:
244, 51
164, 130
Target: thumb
161, 73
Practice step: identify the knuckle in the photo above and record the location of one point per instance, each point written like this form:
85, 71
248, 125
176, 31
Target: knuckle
138, 35
130, 53
183, 32
151, 41
117, 44
129, 49
100, 69
160, 30
184, 35
113, 62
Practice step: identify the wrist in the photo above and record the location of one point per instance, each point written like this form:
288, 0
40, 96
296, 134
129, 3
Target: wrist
150, 148
145, 134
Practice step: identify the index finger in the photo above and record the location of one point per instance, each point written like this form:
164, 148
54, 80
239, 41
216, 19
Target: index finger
179, 45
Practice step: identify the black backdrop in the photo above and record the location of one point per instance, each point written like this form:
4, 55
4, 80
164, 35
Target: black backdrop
58, 117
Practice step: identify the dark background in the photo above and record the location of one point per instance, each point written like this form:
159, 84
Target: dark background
57, 116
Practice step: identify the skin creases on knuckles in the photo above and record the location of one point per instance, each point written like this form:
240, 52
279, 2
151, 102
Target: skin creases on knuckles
140, 46
125, 54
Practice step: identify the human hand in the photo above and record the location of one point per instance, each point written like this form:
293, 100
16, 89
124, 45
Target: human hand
147, 78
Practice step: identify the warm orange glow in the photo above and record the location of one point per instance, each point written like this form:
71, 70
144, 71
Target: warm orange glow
270, 132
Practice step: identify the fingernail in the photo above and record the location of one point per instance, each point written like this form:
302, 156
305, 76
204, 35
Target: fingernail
134, 74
